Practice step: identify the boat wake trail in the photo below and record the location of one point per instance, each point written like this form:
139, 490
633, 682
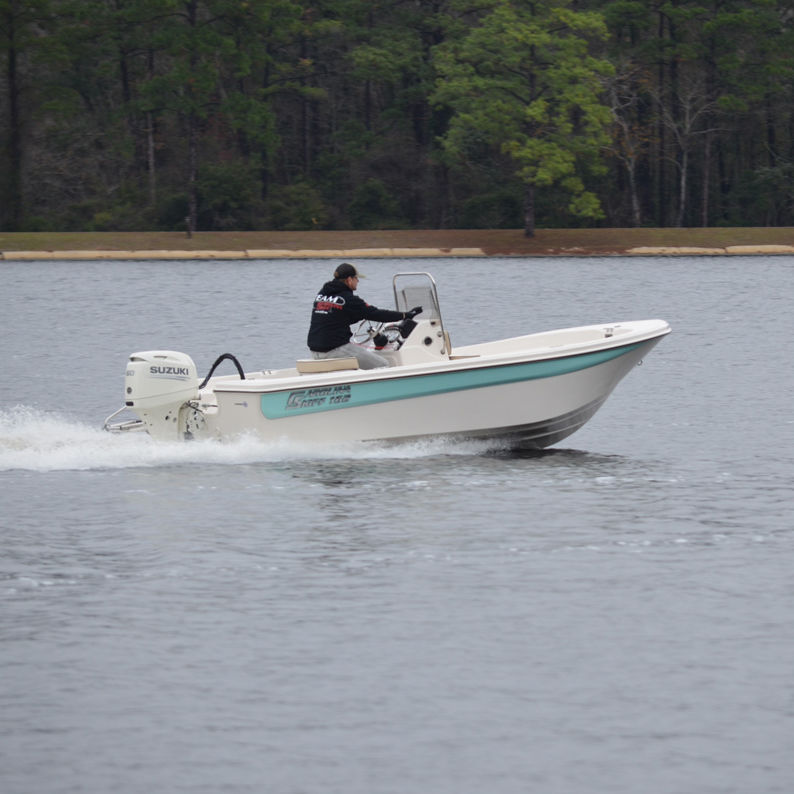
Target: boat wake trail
35, 440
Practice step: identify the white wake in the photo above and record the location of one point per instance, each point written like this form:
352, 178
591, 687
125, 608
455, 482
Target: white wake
35, 440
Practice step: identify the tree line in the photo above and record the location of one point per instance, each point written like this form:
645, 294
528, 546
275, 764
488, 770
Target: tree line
338, 114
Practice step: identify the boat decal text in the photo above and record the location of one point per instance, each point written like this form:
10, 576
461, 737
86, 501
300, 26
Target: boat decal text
159, 370
302, 400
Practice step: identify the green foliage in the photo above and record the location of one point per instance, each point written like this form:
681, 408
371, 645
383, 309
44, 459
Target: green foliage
374, 207
766, 193
499, 209
171, 212
228, 197
122, 217
535, 96
297, 207
339, 113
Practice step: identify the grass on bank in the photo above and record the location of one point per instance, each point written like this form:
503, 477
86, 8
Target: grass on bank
492, 241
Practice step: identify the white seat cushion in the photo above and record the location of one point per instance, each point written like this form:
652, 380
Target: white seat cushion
309, 365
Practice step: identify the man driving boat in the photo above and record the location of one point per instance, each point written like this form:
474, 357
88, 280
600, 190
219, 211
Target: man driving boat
336, 308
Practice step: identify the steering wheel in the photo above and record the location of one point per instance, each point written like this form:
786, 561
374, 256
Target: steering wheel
392, 333
365, 331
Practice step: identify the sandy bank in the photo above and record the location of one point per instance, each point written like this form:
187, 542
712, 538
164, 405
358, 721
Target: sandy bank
409, 244
267, 253
377, 253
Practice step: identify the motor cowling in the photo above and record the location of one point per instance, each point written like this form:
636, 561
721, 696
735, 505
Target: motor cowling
157, 384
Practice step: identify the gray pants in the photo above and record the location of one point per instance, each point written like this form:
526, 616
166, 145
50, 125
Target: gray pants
367, 358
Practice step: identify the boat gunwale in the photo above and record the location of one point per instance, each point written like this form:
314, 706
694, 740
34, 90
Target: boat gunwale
270, 385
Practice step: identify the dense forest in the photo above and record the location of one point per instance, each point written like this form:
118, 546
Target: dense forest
339, 114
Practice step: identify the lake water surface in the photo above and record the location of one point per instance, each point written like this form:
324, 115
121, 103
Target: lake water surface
613, 615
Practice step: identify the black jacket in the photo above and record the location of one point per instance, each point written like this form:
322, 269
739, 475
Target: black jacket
335, 309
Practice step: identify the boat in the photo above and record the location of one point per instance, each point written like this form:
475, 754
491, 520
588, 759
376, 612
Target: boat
530, 391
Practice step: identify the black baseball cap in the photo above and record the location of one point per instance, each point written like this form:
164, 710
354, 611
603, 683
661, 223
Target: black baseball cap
346, 270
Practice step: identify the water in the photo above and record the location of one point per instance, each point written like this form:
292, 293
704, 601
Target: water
611, 615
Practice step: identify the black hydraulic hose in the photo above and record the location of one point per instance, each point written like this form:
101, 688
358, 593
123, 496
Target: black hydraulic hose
218, 361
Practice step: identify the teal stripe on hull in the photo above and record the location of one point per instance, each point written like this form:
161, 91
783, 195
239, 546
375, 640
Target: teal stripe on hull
278, 405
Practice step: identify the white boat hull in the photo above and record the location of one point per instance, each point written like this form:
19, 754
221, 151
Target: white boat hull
523, 402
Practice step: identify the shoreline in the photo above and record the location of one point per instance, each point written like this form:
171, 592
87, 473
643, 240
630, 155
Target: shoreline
421, 243
381, 253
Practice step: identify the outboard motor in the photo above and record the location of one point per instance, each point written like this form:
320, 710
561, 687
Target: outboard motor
157, 384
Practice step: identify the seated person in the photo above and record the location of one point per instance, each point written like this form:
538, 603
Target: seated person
335, 309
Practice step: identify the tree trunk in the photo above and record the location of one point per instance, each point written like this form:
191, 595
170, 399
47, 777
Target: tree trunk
661, 181
682, 189
14, 132
192, 201
305, 117
636, 215
529, 211
771, 138
704, 207
192, 133
264, 170
150, 161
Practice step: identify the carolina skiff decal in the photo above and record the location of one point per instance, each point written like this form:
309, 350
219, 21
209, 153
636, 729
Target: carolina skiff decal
282, 404
325, 397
